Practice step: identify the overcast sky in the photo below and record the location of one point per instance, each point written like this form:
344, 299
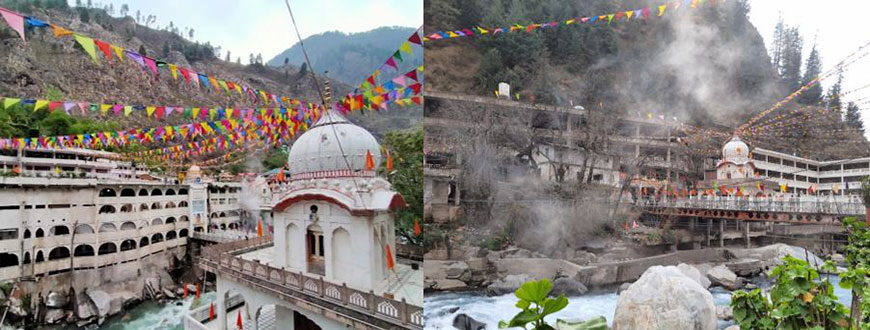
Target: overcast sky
838, 26
263, 26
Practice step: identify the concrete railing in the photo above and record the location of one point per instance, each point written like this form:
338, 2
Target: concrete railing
793, 205
220, 257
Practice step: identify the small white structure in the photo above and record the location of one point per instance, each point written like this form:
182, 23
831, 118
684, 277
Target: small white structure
504, 90
736, 162
334, 219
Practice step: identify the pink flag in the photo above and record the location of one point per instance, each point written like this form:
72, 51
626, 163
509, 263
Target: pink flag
117, 108
84, 107
151, 65
399, 80
15, 21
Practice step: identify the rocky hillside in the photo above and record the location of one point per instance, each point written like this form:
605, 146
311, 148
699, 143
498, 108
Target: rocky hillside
57, 69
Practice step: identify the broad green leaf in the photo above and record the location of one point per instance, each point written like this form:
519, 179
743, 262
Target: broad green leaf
534, 291
554, 305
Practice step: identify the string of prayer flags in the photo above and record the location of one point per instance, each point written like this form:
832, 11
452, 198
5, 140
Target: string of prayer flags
392, 61
642, 13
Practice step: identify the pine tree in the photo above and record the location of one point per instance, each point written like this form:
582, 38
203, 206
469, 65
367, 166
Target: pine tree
791, 59
813, 95
228, 56
832, 100
779, 39
853, 117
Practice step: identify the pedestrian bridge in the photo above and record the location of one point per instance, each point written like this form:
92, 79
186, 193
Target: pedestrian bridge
790, 210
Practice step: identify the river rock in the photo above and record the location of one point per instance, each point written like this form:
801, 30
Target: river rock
772, 255
101, 301
84, 310
168, 293
568, 286
538, 268
746, 266
724, 313
55, 300
465, 322
457, 270
445, 284
595, 245
623, 287
838, 258
508, 284
54, 315
694, 274
665, 298
722, 276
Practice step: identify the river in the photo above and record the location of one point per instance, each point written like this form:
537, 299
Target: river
151, 315
491, 310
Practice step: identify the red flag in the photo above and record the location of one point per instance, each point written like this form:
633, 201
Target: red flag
185, 290
390, 263
239, 320
211, 312
389, 161
371, 80
412, 74
197, 291
415, 38
370, 162
417, 230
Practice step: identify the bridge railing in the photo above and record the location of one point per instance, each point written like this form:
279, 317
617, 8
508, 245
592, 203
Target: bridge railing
788, 205
221, 256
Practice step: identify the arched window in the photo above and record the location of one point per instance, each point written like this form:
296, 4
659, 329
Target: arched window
156, 192
108, 248
155, 206
84, 250
182, 204
182, 191
183, 218
108, 227
143, 192
84, 229
8, 259
129, 225
170, 235
128, 245
143, 242
170, 220
223, 214
143, 207
60, 252
40, 232
198, 229
157, 238
126, 208
156, 222
59, 230
170, 192
26, 258
127, 192
182, 233
27, 233
107, 192
170, 205
107, 209
223, 226
39, 256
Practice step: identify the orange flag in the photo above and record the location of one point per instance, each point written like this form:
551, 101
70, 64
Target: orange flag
417, 230
389, 161
370, 162
260, 228
59, 31
390, 263
197, 291
211, 312
185, 290
239, 320
280, 176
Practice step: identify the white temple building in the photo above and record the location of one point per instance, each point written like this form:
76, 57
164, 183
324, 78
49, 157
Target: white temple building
331, 263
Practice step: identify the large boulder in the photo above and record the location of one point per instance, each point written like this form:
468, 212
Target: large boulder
55, 300
665, 298
772, 255
508, 284
101, 300
694, 274
568, 286
458, 270
445, 284
465, 322
538, 268
54, 315
722, 276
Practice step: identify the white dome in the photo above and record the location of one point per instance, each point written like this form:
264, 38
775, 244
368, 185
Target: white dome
735, 149
318, 149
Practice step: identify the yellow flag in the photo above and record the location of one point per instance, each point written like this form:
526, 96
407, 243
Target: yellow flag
104, 108
40, 104
406, 47
628, 15
195, 112
128, 110
150, 110
662, 9
174, 69
118, 51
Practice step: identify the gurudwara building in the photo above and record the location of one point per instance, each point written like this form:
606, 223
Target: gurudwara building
331, 261
81, 220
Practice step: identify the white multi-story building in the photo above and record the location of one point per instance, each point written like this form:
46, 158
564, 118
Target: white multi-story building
73, 209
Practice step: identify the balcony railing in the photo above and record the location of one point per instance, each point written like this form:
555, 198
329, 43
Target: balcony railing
787, 205
220, 258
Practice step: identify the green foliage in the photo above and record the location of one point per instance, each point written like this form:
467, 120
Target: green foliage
598, 323
751, 310
535, 304
52, 93
21, 121
855, 278
799, 299
406, 149
275, 158
865, 191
